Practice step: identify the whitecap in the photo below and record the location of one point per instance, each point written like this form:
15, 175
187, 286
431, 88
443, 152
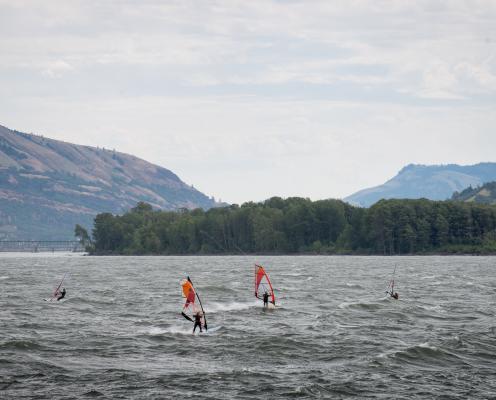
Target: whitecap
344, 305
288, 288
432, 308
353, 285
232, 306
293, 274
426, 345
155, 330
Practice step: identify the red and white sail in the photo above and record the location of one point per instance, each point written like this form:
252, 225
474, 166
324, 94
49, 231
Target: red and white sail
263, 284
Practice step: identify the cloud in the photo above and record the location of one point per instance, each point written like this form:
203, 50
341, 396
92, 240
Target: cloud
56, 68
249, 99
257, 43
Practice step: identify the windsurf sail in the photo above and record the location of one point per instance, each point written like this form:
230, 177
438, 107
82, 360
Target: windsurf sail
56, 291
390, 288
193, 304
263, 284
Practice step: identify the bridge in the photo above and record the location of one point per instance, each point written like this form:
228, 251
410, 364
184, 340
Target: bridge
35, 246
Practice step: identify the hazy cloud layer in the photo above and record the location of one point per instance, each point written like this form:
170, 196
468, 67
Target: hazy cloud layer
251, 99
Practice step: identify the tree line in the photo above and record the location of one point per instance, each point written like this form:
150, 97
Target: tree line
299, 226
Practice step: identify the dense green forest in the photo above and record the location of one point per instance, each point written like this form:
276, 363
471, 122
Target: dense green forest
299, 226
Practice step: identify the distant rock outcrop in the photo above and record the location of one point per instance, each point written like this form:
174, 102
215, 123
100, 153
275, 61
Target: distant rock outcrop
47, 186
485, 194
434, 182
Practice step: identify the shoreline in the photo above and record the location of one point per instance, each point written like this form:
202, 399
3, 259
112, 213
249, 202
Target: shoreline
84, 254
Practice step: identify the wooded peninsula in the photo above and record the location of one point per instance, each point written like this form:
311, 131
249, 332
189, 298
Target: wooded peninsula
299, 226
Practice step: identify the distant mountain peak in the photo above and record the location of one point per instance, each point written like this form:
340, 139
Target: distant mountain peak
410, 167
435, 182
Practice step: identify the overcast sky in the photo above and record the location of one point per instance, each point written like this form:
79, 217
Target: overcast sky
250, 99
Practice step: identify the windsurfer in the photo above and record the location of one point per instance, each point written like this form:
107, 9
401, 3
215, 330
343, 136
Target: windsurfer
62, 294
390, 289
198, 322
266, 299
263, 287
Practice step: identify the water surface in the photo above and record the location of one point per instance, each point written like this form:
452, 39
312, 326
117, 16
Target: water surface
334, 333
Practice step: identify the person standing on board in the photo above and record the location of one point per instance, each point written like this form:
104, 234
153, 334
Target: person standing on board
62, 294
198, 323
390, 289
266, 300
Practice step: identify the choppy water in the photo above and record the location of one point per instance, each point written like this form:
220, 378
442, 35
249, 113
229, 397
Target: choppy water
335, 334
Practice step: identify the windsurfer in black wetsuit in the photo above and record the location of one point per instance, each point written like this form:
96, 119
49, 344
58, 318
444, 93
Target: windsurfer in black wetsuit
266, 300
62, 294
198, 322
394, 295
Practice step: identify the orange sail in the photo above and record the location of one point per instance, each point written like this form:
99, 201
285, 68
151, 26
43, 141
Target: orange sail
191, 306
263, 284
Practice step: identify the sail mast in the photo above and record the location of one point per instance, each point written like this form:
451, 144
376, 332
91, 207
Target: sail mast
201, 305
58, 287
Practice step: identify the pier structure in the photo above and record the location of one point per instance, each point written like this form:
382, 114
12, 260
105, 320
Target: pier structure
35, 246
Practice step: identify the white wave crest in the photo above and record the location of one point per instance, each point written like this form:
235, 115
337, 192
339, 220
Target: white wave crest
432, 308
175, 330
232, 306
178, 330
293, 274
427, 345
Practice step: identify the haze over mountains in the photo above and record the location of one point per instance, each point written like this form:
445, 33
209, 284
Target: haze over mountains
434, 182
47, 186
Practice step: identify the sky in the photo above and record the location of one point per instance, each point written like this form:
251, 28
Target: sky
247, 100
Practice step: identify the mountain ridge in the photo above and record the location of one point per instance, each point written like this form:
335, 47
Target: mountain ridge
48, 185
434, 182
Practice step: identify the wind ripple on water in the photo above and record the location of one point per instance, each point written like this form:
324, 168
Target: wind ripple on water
334, 334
